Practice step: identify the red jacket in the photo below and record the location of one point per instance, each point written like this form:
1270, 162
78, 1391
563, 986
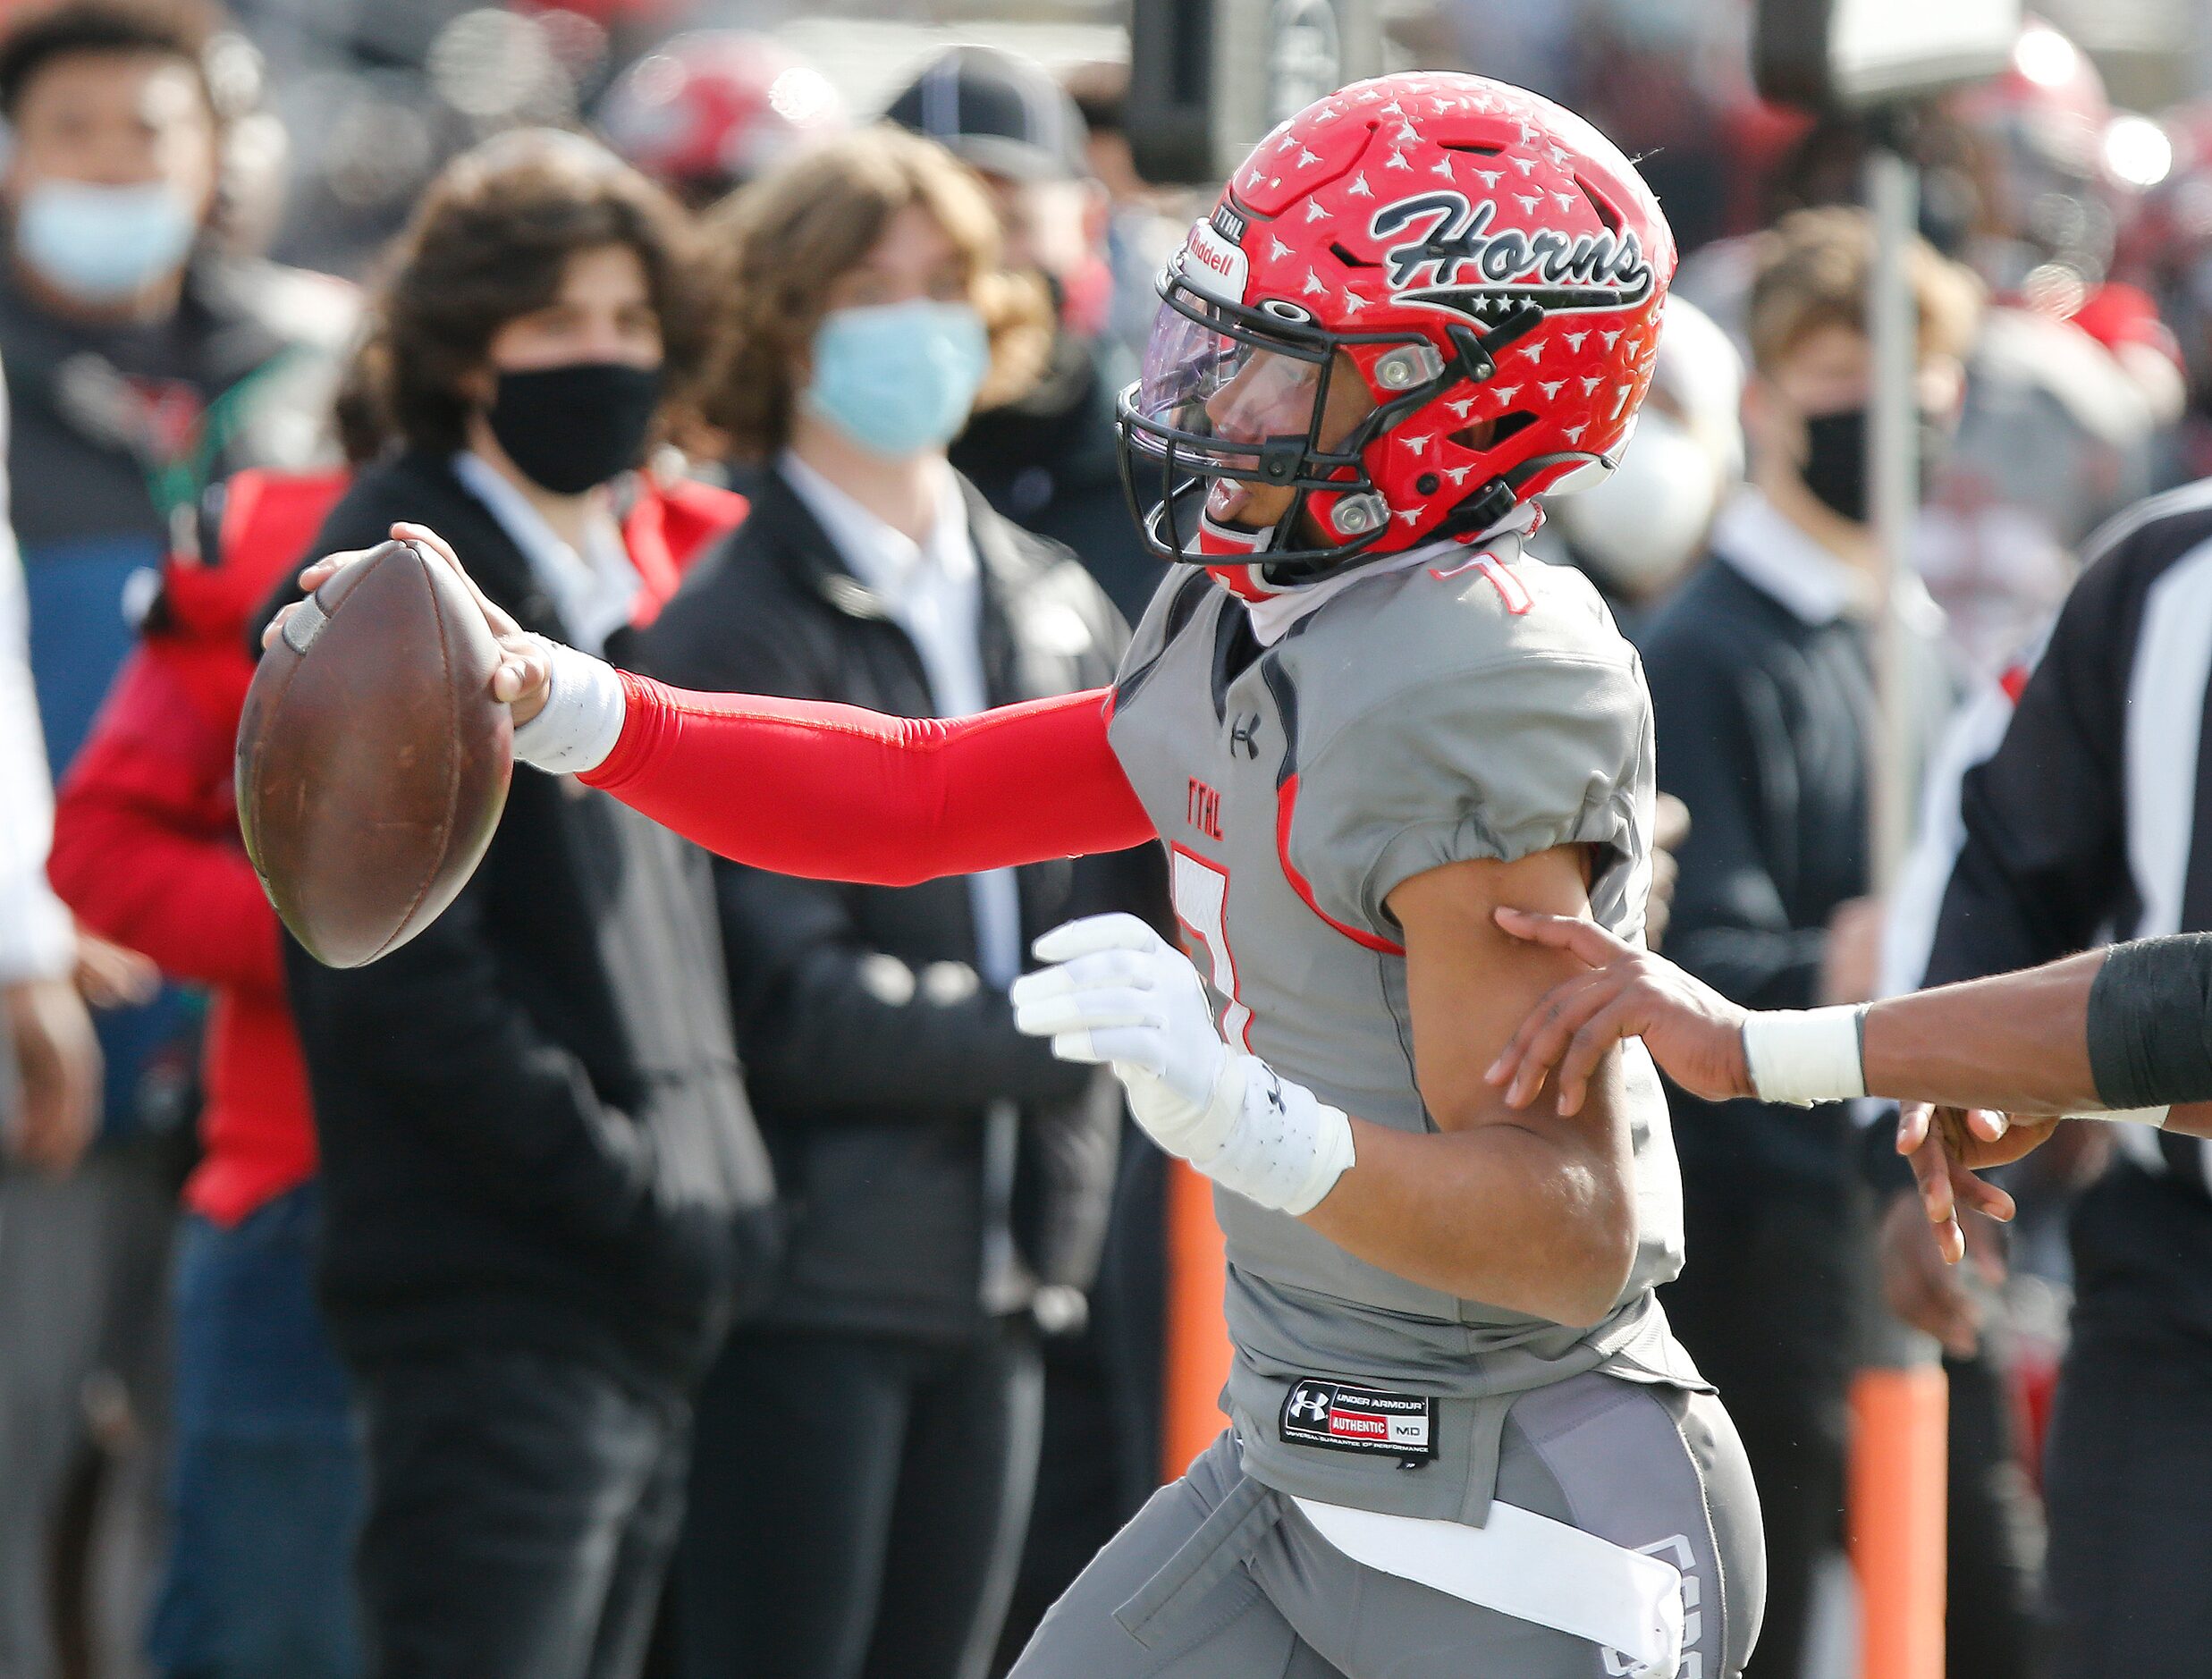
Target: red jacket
146, 844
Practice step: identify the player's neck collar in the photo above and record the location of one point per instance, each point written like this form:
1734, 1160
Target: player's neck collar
1274, 615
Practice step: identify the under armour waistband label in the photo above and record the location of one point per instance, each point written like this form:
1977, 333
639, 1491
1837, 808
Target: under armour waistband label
1344, 1418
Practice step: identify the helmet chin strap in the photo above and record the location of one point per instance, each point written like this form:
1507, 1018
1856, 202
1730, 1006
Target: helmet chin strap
1241, 579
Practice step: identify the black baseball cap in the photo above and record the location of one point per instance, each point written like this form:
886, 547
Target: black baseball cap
999, 111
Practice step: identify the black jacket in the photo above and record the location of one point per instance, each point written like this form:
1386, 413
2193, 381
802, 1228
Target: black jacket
533, 1127
871, 1047
1050, 463
1761, 723
2093, 821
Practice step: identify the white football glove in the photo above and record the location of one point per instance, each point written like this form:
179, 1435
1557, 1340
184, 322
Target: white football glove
1120, 994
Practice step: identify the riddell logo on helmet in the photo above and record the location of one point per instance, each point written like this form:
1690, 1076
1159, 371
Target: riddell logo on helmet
1542, 265
1213, 266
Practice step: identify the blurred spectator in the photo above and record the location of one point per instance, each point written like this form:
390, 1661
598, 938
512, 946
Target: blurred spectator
1043, 454
49, 1059
1141, 231
2067, 383
142, 359
1762, 689
542, 1187
2058, 432
1050, 459
2084, 825
948, 1178
707, 112
1637, 533
2168, 250
266, 1482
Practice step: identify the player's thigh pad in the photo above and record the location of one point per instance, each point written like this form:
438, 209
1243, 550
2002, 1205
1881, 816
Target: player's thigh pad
1652, 1469
1220, 1626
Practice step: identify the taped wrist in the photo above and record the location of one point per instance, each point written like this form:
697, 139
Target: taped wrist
1283, 1146
581, 719
2149, 1032
1803, 1056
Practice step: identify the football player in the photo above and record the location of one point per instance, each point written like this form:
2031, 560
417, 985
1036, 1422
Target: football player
1463, 1440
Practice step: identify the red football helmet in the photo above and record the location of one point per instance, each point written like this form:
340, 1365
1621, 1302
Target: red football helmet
1420, 302
708, 111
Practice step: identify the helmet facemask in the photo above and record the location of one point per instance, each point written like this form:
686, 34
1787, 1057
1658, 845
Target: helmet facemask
1263, 396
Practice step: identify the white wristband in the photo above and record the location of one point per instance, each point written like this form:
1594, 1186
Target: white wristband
1804, 1056
2155, 1117
581, 719
1284, 1146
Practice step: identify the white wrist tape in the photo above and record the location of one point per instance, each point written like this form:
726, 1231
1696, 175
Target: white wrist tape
2155, 1117
1270, 1141
1801, 1057
582, 717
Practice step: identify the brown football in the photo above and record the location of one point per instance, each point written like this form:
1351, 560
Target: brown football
373, 761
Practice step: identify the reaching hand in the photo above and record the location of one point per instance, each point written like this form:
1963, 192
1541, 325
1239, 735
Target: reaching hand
1923, 1288
111, 976
1693, 1033
58, 1060
524, 671
1120, 993
1948, 1146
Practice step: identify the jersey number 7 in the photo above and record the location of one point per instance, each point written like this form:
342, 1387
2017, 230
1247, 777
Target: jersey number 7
1201, 891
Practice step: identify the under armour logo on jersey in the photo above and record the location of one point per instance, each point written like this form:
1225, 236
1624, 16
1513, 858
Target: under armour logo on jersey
1244, 735
1309, 1403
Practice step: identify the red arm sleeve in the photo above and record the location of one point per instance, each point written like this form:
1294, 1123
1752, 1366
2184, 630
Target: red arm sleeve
145, 846
833, 792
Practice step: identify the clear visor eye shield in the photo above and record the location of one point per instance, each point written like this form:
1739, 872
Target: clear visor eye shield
1232, 396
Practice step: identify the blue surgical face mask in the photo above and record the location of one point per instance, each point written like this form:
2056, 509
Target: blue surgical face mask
899, 378
102, 244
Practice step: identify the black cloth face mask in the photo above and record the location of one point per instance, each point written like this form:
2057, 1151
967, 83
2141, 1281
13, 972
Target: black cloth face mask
1836, 467
571, 428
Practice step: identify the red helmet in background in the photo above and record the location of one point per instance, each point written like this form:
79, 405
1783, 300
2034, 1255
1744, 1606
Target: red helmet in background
1422, 302
708, 111
2045, 206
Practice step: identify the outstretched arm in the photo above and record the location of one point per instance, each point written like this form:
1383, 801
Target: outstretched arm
2117, 1031
832, 792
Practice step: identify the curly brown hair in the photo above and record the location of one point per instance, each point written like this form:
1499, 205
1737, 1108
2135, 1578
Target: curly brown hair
490, 241
1812, 271
784, 239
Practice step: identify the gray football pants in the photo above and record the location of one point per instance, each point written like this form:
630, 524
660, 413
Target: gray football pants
1648, 1468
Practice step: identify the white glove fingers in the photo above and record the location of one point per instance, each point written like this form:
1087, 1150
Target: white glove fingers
1109, 970
1141, 1048
1077, 1046
1093, 934
1044, 1018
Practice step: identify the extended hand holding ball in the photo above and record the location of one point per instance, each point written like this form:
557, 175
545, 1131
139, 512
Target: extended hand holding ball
375, 746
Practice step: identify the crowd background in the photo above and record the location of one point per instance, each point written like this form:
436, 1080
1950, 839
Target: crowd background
182, 1441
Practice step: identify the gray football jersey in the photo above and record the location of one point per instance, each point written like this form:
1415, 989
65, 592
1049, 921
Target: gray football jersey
1481, 705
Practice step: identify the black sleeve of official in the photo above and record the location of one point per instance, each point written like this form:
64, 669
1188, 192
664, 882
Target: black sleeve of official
2150, 1023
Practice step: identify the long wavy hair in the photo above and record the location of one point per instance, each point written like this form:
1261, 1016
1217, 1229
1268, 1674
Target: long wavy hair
782, 242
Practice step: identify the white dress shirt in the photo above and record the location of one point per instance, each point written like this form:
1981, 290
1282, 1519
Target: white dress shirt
38, 939
932, 590
595, 592
1753, 539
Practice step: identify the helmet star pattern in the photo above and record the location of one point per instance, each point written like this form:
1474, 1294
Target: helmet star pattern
1428, 208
